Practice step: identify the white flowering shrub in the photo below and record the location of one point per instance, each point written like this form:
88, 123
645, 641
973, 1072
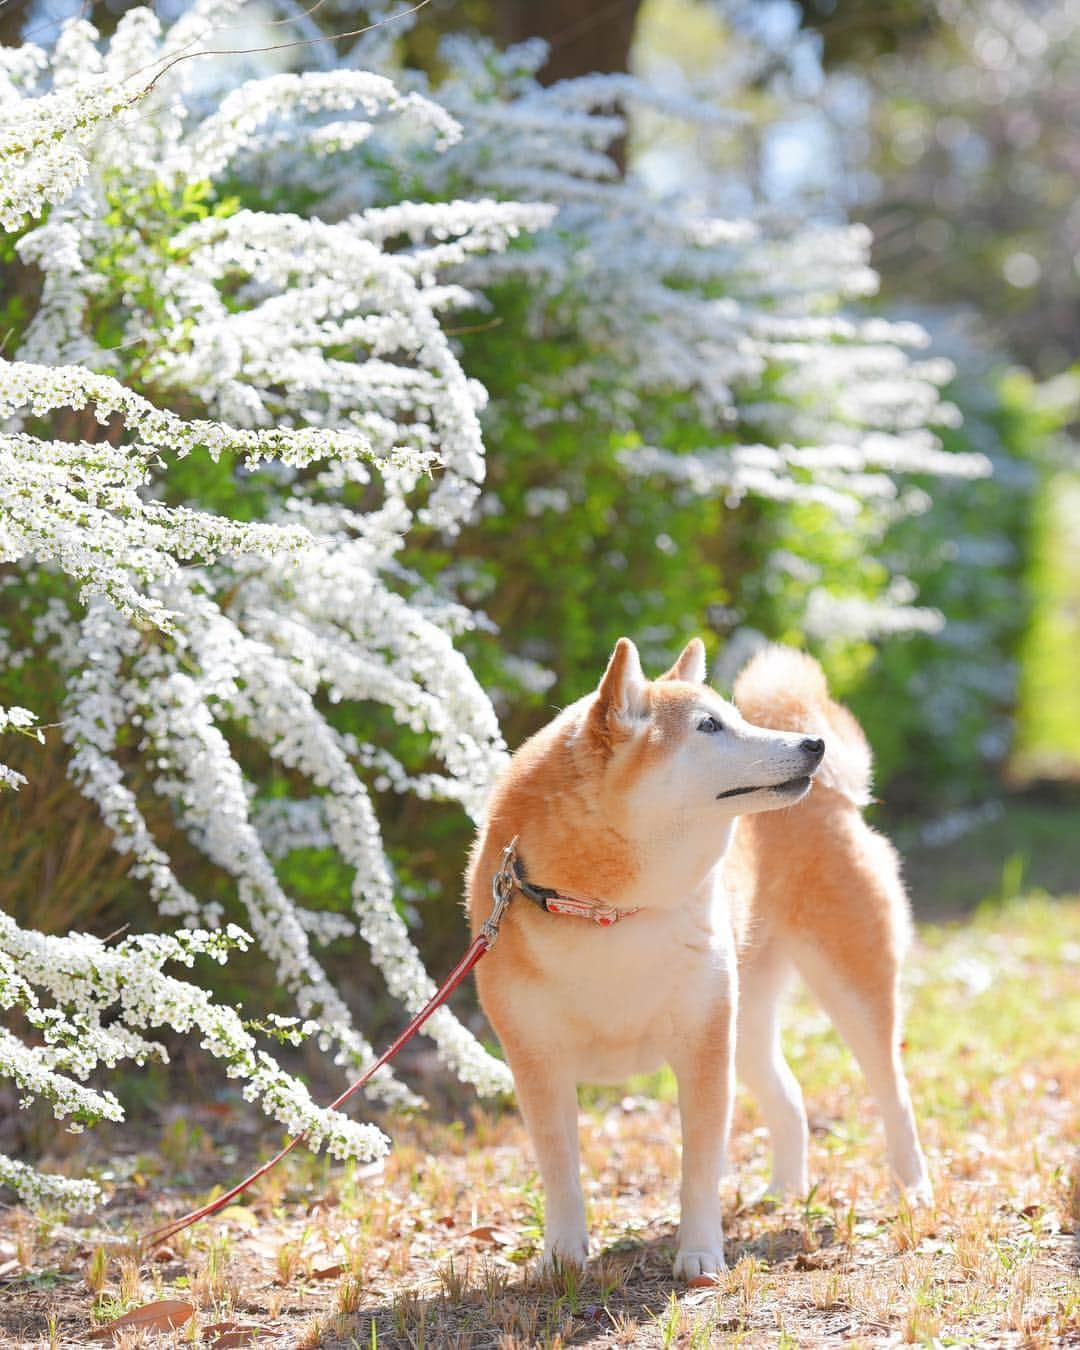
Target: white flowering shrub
242, 504
734, 361
715, 350
64, 987
318, 365
697, 402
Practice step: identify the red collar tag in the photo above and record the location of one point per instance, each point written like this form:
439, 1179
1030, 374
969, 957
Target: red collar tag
603, 915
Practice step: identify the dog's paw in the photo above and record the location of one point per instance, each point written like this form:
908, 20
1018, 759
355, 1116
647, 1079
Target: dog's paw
783, 1190
696, 1263
920, 1194
565, 1250
772, 1196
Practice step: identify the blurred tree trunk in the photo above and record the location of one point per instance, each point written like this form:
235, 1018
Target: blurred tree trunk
12, 18
582, 39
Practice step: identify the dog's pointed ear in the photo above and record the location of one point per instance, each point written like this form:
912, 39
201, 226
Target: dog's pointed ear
622, 691
691, 665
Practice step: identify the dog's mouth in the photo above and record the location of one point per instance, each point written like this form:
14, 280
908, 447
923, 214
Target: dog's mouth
790, 787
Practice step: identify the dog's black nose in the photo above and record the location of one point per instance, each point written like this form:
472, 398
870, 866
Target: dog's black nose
814, 746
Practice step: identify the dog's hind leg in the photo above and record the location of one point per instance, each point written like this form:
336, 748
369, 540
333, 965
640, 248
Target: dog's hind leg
761, 1065
864, 1005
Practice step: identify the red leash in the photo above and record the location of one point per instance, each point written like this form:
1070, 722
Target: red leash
503, 884
477, 948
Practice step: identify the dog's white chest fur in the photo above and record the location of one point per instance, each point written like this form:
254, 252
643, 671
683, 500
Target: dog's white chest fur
618, 1001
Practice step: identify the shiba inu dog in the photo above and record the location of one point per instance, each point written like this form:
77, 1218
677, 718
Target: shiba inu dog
647, 929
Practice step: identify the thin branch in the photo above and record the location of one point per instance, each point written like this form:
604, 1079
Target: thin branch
274, 47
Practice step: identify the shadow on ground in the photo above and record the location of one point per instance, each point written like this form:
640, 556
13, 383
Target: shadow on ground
627, 1295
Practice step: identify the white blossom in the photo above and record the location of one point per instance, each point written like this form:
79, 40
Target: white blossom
85, 981
21, 721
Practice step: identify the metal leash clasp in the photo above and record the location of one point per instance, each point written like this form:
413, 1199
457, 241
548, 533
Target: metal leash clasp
502, 892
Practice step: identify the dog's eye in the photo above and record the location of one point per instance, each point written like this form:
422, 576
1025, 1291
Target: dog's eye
709, 725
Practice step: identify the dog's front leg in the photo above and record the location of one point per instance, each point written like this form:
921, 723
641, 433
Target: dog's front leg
705, 1072
547, 1095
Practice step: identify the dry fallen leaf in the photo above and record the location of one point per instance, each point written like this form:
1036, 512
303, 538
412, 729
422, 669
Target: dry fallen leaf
166, 1315
703, 1282
492, 1235
327, 1272
8, 1267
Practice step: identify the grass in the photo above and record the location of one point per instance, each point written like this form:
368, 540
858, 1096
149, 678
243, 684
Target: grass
434, 1247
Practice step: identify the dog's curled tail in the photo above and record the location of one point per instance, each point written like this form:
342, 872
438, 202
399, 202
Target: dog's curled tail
785, 690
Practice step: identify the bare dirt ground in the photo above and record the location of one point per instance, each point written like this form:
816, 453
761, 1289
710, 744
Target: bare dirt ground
435, 1246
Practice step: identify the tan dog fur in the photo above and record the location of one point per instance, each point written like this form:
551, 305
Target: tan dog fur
624, 797
815, 889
